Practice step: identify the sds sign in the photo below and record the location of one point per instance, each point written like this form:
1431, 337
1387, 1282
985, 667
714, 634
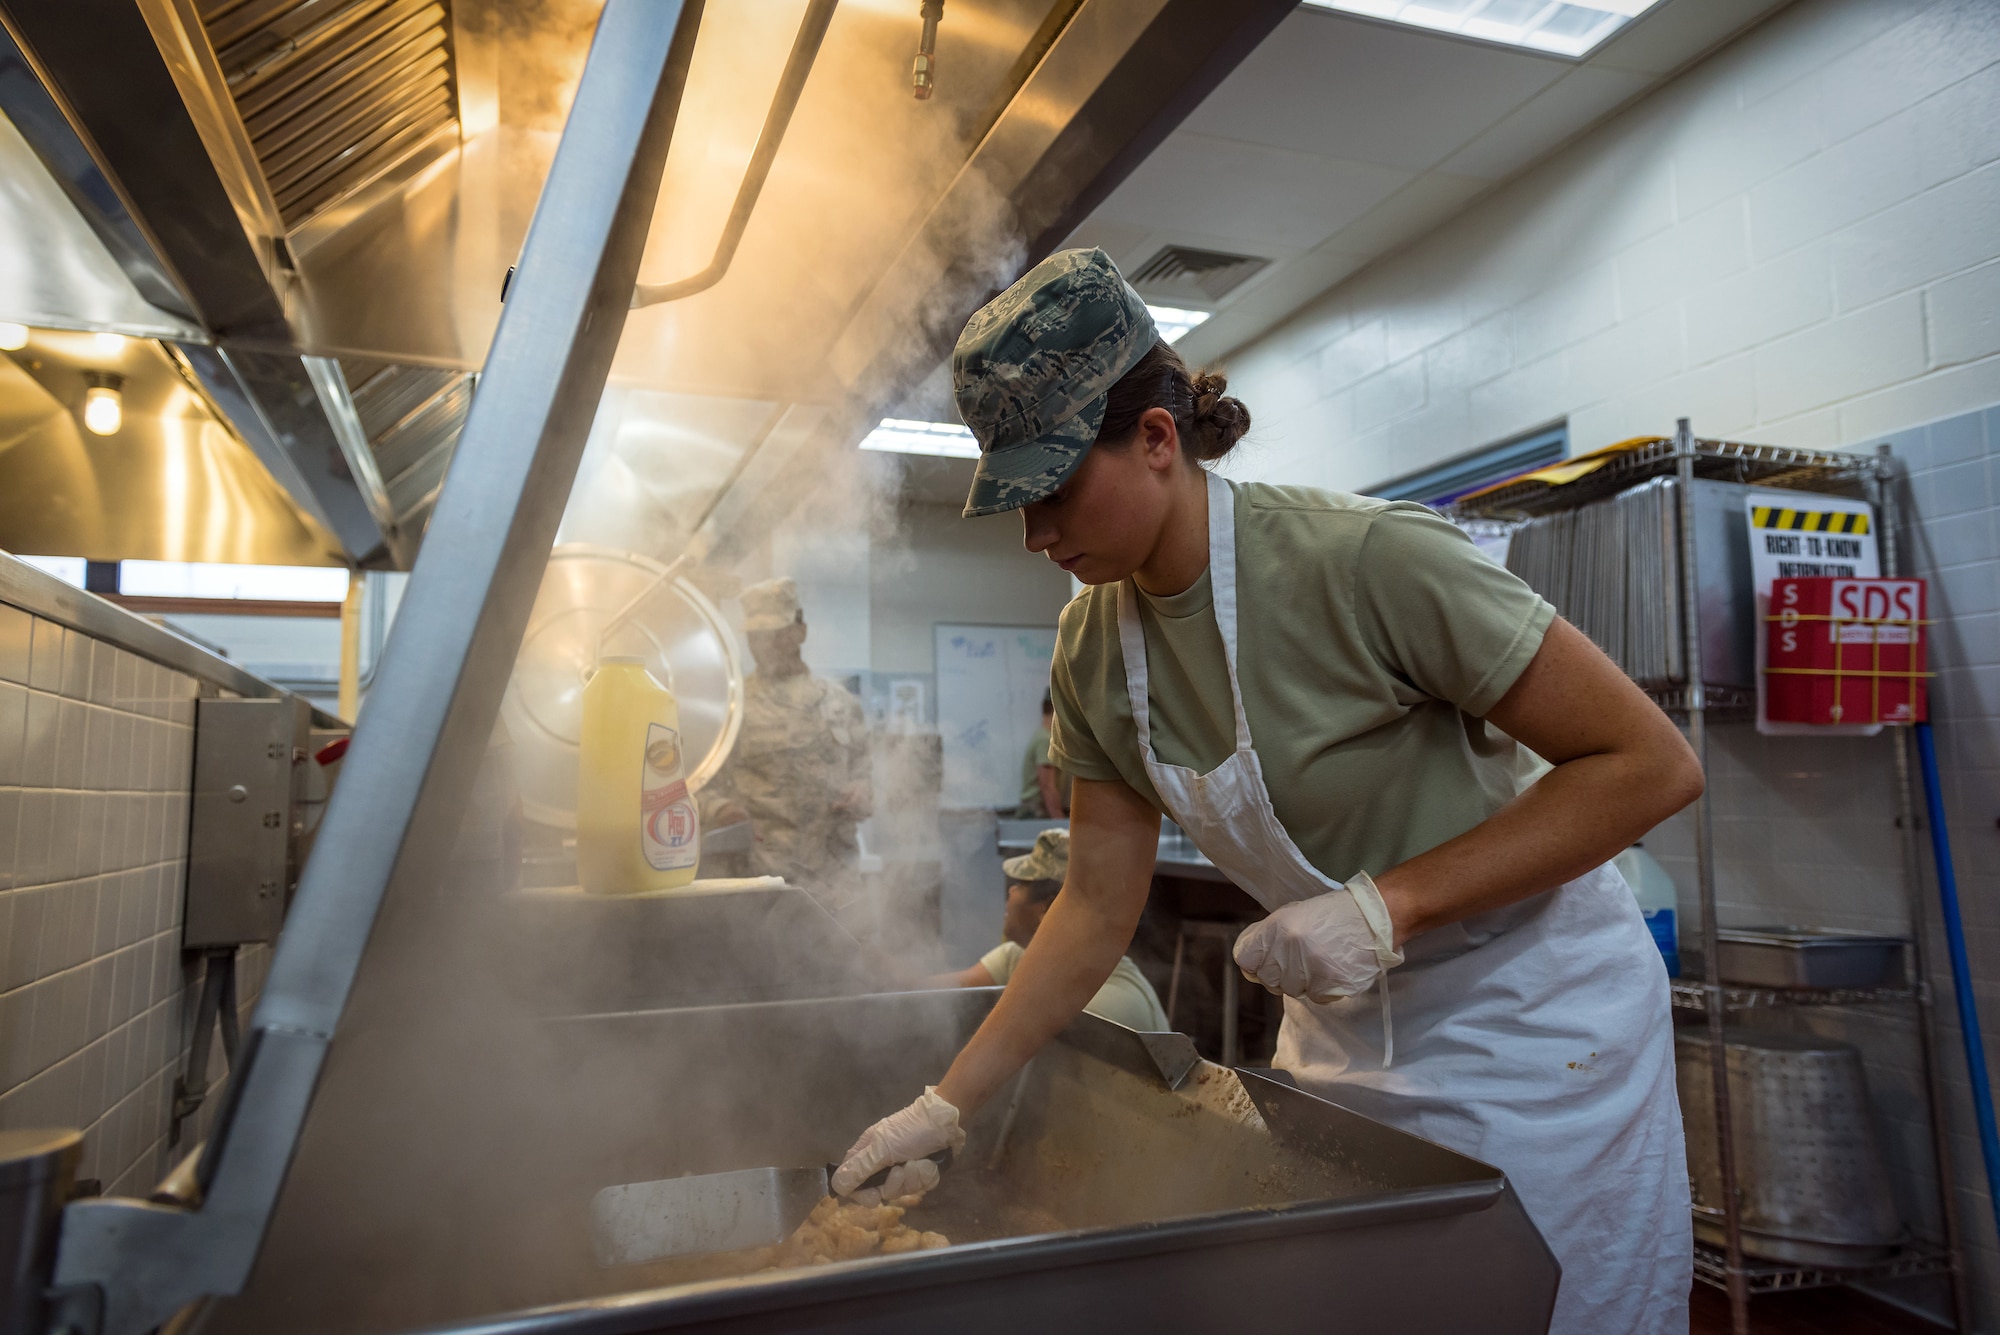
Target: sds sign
1860, 611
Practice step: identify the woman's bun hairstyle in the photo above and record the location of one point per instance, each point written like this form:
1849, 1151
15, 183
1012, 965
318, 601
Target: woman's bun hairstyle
1210, 421
1219, 421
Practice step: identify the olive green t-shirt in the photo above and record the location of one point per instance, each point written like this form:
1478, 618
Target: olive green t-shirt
1036, 756
1373, 638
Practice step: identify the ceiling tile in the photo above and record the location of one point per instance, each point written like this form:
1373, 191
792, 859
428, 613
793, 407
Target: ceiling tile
1127, 244
1670, 35
1263, 305
1248, 195
1367, 92
1579, 100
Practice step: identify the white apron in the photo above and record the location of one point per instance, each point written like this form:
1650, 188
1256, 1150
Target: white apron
1537, 1038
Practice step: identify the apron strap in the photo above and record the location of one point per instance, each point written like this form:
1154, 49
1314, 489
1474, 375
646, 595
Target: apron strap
1132, 641
1222, 586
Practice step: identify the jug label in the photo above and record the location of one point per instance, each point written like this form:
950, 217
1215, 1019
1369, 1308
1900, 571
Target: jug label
669, 831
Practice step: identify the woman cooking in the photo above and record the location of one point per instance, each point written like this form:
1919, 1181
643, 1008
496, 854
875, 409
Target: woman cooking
1337, 698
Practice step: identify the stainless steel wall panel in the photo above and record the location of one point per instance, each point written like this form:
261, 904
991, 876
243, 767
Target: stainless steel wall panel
241, 833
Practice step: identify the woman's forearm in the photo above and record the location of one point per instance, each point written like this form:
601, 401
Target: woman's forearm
1621, 767
1074, 951
1578, 816
1114, 837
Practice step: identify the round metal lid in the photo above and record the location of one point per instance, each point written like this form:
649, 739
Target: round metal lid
675, 631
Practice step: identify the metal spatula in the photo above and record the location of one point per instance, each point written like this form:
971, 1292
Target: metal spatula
709, 1212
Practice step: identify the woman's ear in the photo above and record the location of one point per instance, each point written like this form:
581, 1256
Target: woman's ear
1161, 438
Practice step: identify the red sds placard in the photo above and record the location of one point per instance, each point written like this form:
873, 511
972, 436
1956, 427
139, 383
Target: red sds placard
1846, 651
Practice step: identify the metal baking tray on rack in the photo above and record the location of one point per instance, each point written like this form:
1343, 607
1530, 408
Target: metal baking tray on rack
1815, 957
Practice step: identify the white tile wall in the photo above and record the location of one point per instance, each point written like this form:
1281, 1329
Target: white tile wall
1795, 242
96, 757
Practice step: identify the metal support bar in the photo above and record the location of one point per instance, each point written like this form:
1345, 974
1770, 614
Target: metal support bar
1704, 849
1889, 521
391, 825
218, 1000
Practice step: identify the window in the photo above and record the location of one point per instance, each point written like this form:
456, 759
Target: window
68, 569
1570, 29
1444, 483
185, 579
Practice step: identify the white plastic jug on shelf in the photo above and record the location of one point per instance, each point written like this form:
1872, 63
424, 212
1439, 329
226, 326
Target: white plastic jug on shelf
1657, 899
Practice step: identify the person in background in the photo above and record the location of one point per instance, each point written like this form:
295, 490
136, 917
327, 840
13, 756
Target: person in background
1044, 788
1033, 881
800, 770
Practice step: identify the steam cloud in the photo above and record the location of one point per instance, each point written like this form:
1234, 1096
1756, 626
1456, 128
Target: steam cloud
461, 1125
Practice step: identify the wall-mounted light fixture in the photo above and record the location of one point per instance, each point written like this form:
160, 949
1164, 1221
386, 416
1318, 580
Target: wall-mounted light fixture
13, 337
103, 402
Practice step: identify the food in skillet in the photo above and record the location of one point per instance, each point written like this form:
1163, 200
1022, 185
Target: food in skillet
838, 1230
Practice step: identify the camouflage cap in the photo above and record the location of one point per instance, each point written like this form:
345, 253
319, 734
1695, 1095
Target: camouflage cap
772, 605
1032, 368
1047, 861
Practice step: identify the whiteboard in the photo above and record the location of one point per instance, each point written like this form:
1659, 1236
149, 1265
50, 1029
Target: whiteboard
990, 681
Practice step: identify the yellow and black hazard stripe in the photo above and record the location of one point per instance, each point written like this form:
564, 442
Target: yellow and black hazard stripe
1809, 521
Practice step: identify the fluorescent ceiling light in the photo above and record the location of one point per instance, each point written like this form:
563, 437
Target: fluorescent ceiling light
204, 579
1172, 321
1561, 27
899, 435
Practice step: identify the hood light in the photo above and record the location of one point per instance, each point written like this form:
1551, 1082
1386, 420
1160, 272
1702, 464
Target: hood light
13, 337
103, 403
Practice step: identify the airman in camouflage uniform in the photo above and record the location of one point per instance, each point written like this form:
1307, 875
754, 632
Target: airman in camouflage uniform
800, 770
1032, 369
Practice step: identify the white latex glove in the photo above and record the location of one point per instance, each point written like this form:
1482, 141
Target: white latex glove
1330, 946
905, 1139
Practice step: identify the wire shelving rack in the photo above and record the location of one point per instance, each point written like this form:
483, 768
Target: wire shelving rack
1696, 702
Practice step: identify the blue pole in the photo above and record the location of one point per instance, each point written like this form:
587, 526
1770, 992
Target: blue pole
1961, 969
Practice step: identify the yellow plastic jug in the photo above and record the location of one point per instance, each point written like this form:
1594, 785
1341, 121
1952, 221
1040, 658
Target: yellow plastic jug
636, 824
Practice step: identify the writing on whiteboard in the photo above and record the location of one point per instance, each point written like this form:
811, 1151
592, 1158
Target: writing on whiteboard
990, 681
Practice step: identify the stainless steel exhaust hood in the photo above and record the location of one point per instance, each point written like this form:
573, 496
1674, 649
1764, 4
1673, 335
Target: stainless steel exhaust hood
348, 180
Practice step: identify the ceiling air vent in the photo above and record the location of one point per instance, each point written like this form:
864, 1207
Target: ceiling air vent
1186, 274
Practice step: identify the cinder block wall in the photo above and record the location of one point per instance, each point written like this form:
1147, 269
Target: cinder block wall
96, 1002
1791, 243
